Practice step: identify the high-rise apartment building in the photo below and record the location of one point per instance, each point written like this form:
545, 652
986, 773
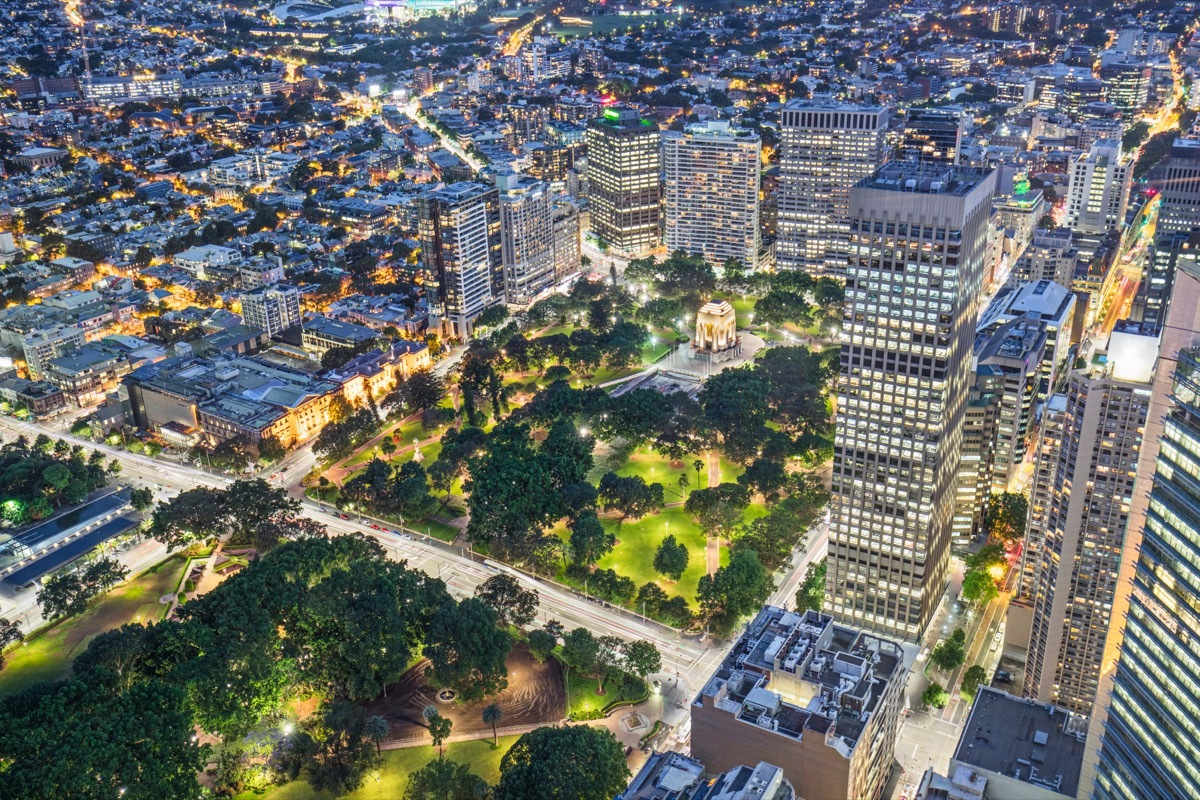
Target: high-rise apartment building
978, 452
526, 236
917, 239
711, 192
825, 148
461, 252
567, 253
1145, 732
1098, 191
1083, 540
273, 308
624, 181
933, 135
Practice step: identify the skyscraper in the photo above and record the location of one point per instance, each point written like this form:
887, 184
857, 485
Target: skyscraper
526, 236
624, 181
461, 252
917, 240
1099, 189
825, 148
273, 308
1080, 549
933, 135
1177, 234
710, 185
1144, 739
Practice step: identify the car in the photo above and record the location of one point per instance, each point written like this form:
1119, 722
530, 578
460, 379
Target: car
344, 516
375, 527
1003, 677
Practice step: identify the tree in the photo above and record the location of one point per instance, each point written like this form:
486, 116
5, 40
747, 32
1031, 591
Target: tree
671, 559
811, 594
336, 749
640, 658
10, 633
949, 654
513, 605
736, 589
580, 650
443, 779
1006, 515
63, 596
577, 761
979, 586
102, 574
423, 390
190, 516
492, 714
631, 497
718, 509
270, 449
541, 644
973, 678
439, 728
90, 727
141, 499
377, 728
590, 541
935, 696
467, 651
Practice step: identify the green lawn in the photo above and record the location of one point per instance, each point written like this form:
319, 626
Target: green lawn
583, 699
392, 779
610, 23
438, 530
47, 655
743, 307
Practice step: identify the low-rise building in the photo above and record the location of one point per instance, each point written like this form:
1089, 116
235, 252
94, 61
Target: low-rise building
673, 776
321, 334
820, 700
1012, 748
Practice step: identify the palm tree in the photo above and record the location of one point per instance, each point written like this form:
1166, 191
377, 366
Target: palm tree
698, 465
492, 714
377, 728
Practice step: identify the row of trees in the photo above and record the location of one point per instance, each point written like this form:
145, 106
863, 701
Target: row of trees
39, 477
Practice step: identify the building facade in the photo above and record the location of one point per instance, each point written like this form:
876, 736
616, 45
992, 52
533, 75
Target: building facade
624, 181
461, 252
1090, 491
917, 236
824, 150
526, 237
1098, 192
273, 308
711, 192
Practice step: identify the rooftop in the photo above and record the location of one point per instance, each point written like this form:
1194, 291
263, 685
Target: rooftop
794, 672
925, 178
1030, 741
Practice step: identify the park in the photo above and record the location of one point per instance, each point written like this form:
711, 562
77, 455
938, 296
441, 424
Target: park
604, 439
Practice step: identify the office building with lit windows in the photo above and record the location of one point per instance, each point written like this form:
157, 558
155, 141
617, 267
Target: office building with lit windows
624, 181
917, 240
825, 148
933, 135
711, 192
1098, 191
1177, 234
1081, 538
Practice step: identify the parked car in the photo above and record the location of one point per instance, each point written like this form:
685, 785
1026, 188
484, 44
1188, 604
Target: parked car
1003, 677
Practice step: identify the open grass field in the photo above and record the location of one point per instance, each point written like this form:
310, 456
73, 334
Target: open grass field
482, 758
610, 23
47, 655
